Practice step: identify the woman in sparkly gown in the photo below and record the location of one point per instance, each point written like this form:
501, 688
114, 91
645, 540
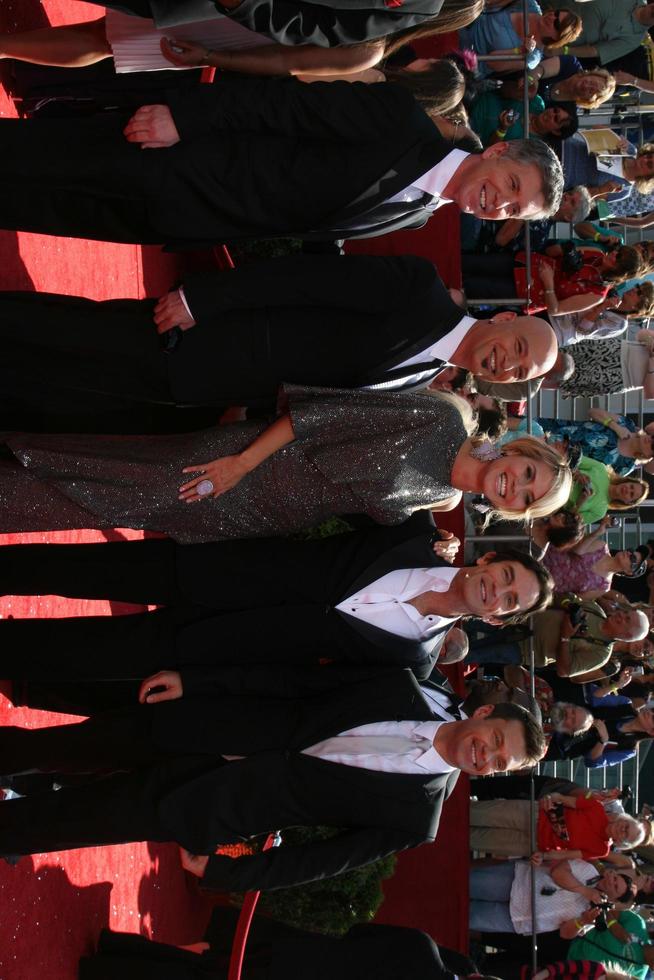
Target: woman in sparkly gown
334, 452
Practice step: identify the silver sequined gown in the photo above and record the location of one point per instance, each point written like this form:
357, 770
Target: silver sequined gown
381, 454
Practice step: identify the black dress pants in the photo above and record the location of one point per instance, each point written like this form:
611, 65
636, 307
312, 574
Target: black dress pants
113, 806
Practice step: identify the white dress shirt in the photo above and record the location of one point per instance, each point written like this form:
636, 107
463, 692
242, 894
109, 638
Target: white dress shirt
392, 746
385, 602
434, 181
442, 349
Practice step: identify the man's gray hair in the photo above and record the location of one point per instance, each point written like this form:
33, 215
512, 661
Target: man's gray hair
582, 210
564, 367
538, 153
557, 718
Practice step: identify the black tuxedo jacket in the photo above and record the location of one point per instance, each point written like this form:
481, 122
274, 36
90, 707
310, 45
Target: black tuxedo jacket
278, 599
268, 715
343, 321
257, 158
327, 23
310, 159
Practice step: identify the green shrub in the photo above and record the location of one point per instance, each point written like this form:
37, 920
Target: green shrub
331, 905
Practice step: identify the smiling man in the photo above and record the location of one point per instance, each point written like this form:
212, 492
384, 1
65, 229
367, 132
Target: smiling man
237, 752
261, 158
324, 320
381, 596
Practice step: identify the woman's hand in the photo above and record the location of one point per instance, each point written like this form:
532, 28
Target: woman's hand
529, 44
195, 863
550, 800
170, 312
184, 53
506, 119
546, 275
589, 916
625, 145
567, 629
448, 547
170, 680
536, 859
215, 478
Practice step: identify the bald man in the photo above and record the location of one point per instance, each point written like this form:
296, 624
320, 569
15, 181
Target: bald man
233, 337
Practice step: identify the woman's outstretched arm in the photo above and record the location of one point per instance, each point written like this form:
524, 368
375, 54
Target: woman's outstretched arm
226, 472
277, 59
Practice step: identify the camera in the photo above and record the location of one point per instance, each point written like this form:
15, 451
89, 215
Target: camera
572, 259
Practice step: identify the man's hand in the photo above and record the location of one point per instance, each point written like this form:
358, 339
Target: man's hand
447, 547
455, 646
170, 312
608, 187
601, 729
536, 859
153, 127
170, 680
567, 629
593, 895
195, 863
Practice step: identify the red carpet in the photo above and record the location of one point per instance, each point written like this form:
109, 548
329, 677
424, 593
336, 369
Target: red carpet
54, 905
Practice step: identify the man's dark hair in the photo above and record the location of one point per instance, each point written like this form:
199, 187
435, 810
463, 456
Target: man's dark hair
571, 125
543, 577
571, 530
492, 421
533, 733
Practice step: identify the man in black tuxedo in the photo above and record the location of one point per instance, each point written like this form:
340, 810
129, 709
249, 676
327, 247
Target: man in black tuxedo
326, 23
260, 158
378, 596
241, 751
329, 321
276, 951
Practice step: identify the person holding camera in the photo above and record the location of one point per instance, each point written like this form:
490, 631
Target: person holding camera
568, 827
569, 896
578, 640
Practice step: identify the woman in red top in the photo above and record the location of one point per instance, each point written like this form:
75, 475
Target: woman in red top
560, 291
568, 827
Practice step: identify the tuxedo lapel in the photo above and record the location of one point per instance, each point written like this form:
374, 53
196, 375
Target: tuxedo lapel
413, 164
416, 552
383, 376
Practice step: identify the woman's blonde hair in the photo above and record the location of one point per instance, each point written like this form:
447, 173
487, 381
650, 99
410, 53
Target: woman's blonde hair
605, 93
530, 447
557, 495
570, 31
616, 481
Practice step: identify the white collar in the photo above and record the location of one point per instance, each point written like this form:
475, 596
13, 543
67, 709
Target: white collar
436, 180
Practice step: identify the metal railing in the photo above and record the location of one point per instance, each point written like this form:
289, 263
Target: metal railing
574, 771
